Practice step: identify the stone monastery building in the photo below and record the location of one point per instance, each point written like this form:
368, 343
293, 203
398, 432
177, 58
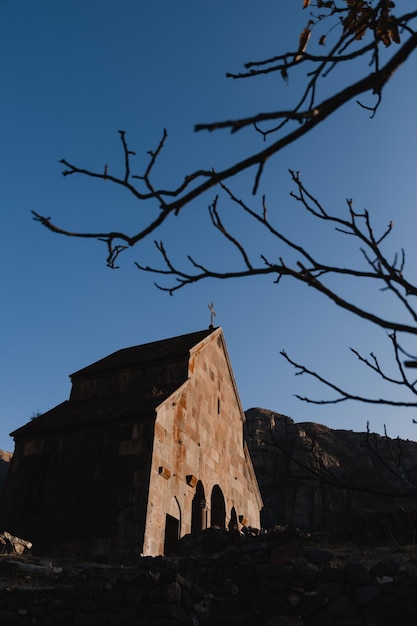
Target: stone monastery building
149, 447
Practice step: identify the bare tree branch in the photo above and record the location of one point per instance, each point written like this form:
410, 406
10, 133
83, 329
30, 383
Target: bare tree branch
361, 29
345, 395
365, 31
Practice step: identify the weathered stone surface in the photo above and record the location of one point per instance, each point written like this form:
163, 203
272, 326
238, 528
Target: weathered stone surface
353, 477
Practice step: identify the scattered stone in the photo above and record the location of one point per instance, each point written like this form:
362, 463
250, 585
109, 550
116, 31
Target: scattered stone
11, 544
385, 568
357, 574
234, 587
320, 557
364, 595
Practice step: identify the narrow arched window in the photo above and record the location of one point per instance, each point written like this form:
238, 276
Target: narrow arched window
198, 509
218, 508
233, 519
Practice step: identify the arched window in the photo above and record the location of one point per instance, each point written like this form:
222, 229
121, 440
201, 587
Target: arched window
198, 509
233, 519
218, 508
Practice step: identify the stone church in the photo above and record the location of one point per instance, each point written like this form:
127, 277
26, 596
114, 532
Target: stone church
148, 448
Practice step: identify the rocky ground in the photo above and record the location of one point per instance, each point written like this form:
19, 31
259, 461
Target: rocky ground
220, 578
26, 571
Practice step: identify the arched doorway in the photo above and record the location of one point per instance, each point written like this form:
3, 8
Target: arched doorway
218, 508
198, 509
172, 527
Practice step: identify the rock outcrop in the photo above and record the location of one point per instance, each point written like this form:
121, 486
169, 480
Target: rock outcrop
314, 477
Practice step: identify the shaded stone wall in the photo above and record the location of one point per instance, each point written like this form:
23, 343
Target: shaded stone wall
102, 384
81, 493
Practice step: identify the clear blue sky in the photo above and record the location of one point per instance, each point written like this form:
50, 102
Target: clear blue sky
72, 75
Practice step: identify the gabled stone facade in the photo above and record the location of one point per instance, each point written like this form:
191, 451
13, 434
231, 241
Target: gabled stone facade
148, 448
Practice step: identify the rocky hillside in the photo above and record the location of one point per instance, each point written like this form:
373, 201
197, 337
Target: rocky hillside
314, 477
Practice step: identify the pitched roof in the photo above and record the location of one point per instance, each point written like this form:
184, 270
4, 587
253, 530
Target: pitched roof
140, 403
93, 411
145, 354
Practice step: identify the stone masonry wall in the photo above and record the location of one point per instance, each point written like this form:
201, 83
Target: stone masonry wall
268, 580
199, 433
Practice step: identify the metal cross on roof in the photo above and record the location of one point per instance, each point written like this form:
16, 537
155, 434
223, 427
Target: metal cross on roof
212, 314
